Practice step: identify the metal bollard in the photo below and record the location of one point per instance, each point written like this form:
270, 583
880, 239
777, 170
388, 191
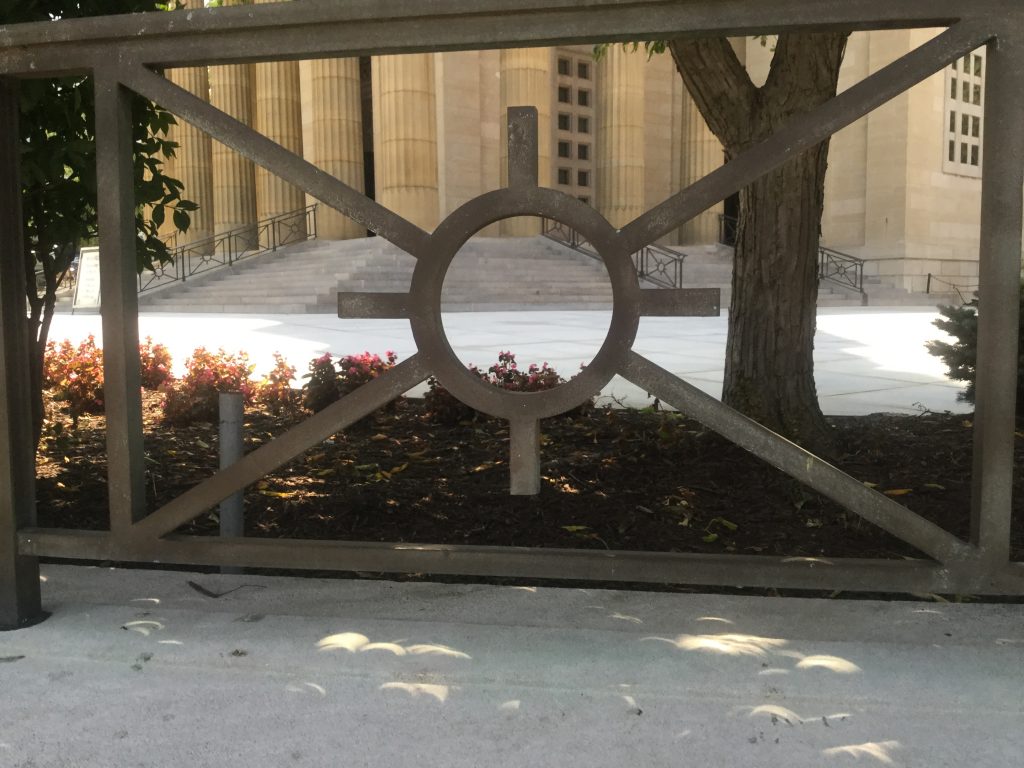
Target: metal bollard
232, 517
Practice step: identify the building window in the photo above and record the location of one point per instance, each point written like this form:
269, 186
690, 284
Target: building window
564, 67
583, 97
583, 152
564, 149
965, 112
564, 177
583, 70
583, 124
583, 178
564, 94
564, 122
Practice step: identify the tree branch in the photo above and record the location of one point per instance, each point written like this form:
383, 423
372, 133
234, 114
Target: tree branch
719, 85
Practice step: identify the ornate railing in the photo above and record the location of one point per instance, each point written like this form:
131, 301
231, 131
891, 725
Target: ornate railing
728, 228
232, 246
841, 269
656, 264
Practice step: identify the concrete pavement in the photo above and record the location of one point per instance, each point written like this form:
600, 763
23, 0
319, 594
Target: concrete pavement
867, 359
138, 668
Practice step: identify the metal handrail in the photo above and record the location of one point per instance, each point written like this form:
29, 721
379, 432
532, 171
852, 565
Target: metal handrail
728, 228
841, 269
654, 263
957, 288
229, 247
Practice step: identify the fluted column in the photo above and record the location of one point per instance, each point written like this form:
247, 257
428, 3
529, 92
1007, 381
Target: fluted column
700, 153
620, 134
333, 98
192, 164
405, 135
526, 82
278, 116
234, 180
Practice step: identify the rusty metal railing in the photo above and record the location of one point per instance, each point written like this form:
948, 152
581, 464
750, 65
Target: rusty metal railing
227, 248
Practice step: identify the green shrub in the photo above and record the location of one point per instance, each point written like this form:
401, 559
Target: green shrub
196, 396
961, 356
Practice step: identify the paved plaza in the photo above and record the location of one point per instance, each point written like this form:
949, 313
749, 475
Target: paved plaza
867, 360
140, 668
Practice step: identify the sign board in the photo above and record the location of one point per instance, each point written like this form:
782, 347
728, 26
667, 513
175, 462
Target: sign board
87, 282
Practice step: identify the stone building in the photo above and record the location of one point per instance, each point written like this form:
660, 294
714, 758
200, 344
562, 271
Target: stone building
424, 133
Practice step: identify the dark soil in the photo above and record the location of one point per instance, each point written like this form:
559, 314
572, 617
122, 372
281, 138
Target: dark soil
616, 479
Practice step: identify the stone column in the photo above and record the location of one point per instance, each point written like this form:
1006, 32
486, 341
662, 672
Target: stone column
620, 134
405, 135
193, 160
699, 153
526, 81
332, 98
234, 180
278, 116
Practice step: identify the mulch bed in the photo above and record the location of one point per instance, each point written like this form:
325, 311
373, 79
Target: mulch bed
615, 479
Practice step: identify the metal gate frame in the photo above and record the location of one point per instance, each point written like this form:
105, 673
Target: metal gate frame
124, 52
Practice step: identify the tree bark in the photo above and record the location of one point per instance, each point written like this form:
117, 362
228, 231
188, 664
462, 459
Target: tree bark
769, 366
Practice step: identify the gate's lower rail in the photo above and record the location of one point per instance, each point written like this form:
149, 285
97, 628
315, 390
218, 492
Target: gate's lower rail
804, 573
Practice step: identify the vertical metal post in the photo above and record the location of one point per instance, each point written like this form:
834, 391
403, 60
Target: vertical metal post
1002, 218
524, 461
19, 575
232, 515
120, 303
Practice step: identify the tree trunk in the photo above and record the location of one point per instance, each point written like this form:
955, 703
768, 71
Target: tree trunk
769, 366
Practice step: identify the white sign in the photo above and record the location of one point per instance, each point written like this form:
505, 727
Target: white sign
87, 282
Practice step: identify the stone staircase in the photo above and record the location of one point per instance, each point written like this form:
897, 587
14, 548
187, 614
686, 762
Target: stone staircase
489, 274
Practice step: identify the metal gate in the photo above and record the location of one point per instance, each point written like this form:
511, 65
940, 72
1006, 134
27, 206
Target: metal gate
124, 54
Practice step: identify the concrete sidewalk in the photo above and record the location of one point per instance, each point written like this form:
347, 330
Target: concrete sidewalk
138, 668
866, 359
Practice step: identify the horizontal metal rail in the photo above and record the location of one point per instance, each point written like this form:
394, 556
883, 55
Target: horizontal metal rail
362, 27
656, 264
230, 247
815, 573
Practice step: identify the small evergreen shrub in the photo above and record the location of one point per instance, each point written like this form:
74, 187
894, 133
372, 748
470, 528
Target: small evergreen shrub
75, 376
195, 397
961, 356
155, 364
275, 391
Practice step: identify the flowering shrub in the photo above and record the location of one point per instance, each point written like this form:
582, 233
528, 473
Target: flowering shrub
328, 383
357, 370
207, 374
75, 376
443, 407
506, 375
275, 390
155, 363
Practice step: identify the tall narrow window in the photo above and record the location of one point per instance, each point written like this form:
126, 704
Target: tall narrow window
965, 96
